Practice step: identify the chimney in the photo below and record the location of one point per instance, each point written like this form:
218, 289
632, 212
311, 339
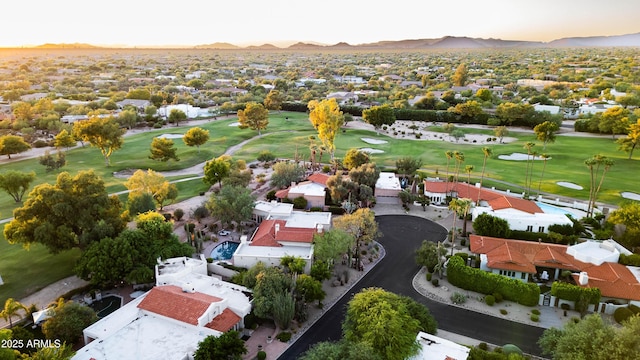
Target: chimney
583, 279
277, 228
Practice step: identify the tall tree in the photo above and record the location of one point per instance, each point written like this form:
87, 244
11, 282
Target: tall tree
449, 155
629, 143
365, 174
16, 183
274, 100
460, 207
64, 140
487, 152
68, 322
231, 204
72, 213
408, 166
195, 137
461, 75
285, 173
228, 346
546, 132
177, 115
468, 169
327, 119
254, 116
103, 133
381, 319
362, 225
216, 170
163, 149
354, 158
544, 158
341, 350
595, 163
12, 144
527, 175
330, 245
379, 116
11, 309
614, 120
153, 183
459, 157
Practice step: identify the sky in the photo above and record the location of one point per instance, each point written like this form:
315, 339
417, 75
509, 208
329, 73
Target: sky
283, 22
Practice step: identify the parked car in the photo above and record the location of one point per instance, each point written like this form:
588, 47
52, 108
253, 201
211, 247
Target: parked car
224, 232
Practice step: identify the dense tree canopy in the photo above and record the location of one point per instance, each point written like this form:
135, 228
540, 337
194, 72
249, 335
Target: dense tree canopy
177, 115
101, 132
12, 144
196, 137
216, 170
153, 183
285, 173
546, 132
354, 158
72, 213
227, 346
254, 116
379, 116
16, 183
381, 320
232, 204
68, 321
163, 149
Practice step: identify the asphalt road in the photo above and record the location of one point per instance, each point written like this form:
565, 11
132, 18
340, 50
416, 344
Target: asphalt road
402, 235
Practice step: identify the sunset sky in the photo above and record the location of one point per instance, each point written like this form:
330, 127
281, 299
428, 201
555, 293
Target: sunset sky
282, 22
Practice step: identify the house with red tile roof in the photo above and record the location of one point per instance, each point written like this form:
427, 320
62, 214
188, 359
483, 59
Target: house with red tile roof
521, 214
312, 189
593, 264
169, 321
277, 237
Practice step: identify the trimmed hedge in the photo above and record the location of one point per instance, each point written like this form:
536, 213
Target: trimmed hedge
483, 282
572, 292
632, 260
622, 314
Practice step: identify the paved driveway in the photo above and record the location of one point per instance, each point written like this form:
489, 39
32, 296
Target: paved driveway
402, 235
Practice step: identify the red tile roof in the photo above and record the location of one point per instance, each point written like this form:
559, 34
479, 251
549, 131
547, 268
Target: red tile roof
172, 302
495, 199
319, 178
282, 194
224, 322
614, 280
268, 236
518, 255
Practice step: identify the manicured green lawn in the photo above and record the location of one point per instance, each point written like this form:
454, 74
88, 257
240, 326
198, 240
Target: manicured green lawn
27, 271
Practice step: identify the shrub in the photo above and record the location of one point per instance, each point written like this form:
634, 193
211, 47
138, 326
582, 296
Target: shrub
463, 242
429, 275
458, 298
622, 314
265, 156
503, 311
535, 312
435, 282
483, 346
326, 169
490, 300
300, 203
262, 355
271, 195
498, 297
535, 318
40, 144
178, 214
284, 336
565, 306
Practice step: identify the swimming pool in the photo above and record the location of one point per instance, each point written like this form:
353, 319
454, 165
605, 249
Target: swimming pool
224, 251
107, 305
550, 209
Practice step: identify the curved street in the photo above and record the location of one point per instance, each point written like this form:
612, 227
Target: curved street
402, 235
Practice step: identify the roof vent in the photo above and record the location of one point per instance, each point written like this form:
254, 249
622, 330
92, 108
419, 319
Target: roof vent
188, 288
583, 279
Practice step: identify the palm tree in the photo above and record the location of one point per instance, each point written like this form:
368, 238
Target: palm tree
527, 146
544, 157
11, 308
596, 161
534, 154
459, 155
460, 207
468, 169
487, 153
449, 155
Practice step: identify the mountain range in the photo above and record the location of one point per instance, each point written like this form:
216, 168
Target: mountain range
446, 42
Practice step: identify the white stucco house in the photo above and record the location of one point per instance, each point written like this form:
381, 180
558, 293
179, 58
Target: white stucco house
387, 185
312, 189
436, 348
280, 236
169, 321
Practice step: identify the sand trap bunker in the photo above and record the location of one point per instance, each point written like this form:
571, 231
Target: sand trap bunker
630, 195
371, 151
569, 185
520, 157
374, 141
234, 124
171, 136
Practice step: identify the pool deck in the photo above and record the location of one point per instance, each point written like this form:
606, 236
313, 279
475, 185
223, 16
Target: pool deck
210, 245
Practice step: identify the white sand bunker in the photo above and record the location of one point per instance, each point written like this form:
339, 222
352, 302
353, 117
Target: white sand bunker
569, 185
234, 124
374, 141
371, 151
630, 195
171, 136
520, 157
